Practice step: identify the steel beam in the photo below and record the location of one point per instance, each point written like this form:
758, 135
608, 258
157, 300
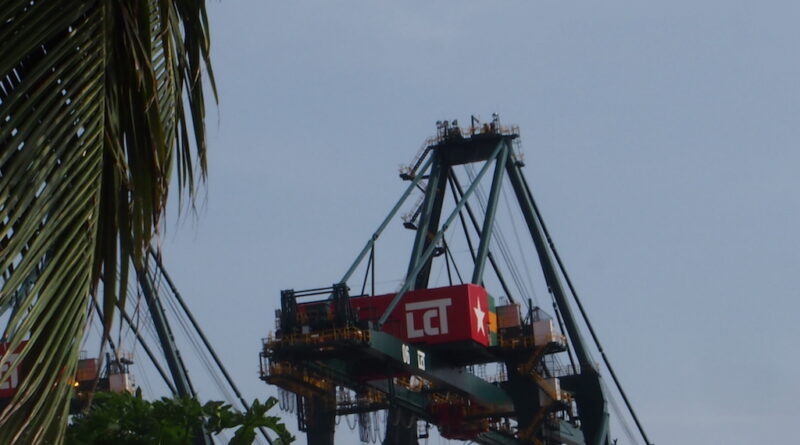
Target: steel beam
546, 262
401, 427
157, 257
144, 345
457, 188
411, 278
428, 221
488, 219
395, 209
588, 323
427, 364
496, 438
172, 355
589, 394
174, 361
319, 417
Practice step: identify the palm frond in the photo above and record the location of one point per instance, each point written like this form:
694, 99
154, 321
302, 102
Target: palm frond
98, 100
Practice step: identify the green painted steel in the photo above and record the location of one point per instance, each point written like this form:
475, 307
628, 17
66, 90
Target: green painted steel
171, 353
496, 438
414, 360
491, 208
180, 376
427, 364
428, 220
550, 273
457, 188
587, 321
386, 221
517, 396
492, 309
589, 394
567, 433
411, 278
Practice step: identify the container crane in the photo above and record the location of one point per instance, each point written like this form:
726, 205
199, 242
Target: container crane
414, 352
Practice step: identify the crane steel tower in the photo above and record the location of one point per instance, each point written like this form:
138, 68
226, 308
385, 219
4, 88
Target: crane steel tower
415, 352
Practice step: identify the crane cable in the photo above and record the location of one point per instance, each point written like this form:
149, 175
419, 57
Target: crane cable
618, 412
456, 187
159, 283
220, 385
505, 251
583, 312
205, 341
497, 234
137, 335
525, 266
206, 362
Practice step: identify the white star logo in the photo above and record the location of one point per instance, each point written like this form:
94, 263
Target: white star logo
480, 315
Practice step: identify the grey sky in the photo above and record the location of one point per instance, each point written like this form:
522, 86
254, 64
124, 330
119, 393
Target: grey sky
660, 140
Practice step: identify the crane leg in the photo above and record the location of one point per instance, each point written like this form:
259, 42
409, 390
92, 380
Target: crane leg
401, 427
319, 418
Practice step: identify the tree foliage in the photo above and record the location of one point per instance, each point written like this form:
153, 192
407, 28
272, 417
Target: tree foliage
126, 419
101, 102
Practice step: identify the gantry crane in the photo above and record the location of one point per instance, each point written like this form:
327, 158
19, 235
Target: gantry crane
414, 352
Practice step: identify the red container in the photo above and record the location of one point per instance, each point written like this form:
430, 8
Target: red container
87, 370
508, 316
9, 387
432, 316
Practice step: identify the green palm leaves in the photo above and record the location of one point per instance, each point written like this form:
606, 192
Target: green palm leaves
100, 101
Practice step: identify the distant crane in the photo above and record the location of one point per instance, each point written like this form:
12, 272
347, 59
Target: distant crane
113, 374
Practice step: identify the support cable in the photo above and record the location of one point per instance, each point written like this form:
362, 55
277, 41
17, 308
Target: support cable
490, 210
428, 222
505, 251
373, 271
146, 348
411, 278
165, 335
620, 416
525, 266
107, 339
220, 384
197, 328
447, 262
455, 264
564, 329
175, 311
130, 327
583, 312
145, 319
457, 187
461, 217
395, 209
366, 272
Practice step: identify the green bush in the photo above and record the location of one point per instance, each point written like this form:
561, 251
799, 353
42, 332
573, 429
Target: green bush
128, 419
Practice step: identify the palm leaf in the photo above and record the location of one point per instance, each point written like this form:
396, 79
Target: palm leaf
100, 101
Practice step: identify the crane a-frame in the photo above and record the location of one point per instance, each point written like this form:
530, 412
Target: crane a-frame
414, 352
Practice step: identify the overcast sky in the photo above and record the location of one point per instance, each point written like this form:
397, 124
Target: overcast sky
660, 140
